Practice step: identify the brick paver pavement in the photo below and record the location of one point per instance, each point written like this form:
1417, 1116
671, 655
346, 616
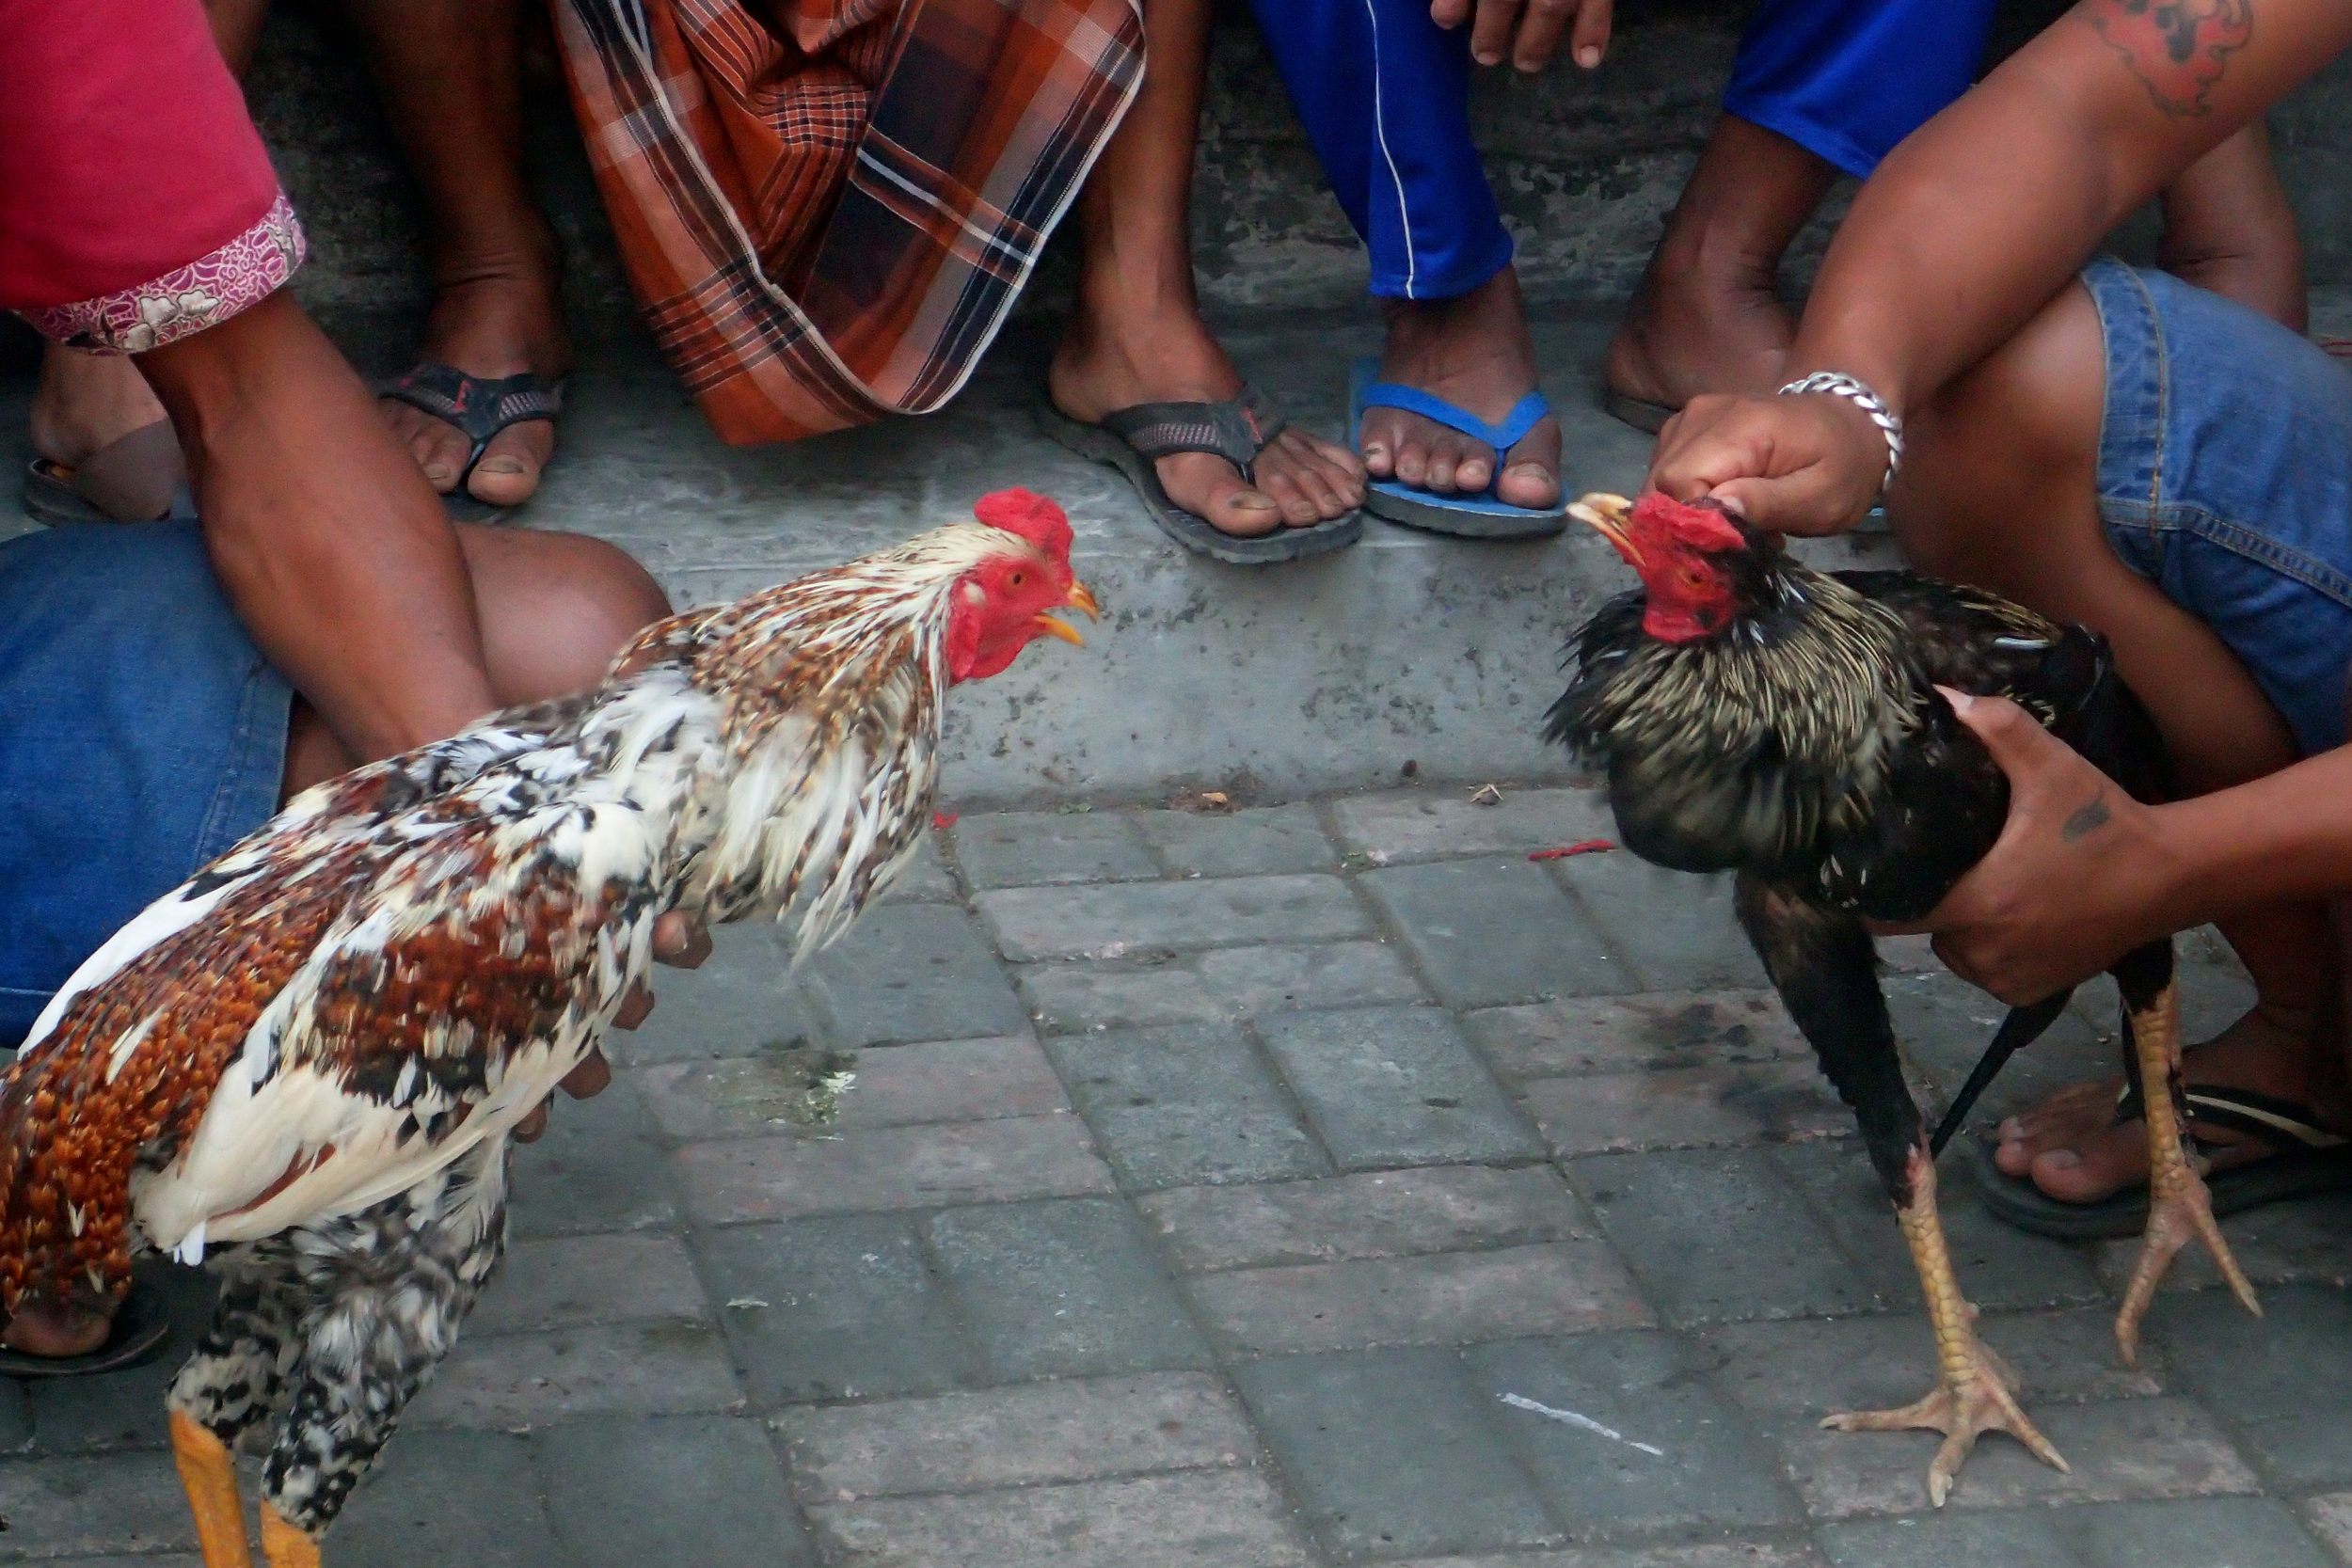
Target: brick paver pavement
1208, 1182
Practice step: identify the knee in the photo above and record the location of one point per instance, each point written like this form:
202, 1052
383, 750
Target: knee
2008, 448
555, 608
612, 596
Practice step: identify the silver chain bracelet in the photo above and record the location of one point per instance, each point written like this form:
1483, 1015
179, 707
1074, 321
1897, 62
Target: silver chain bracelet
1838, 384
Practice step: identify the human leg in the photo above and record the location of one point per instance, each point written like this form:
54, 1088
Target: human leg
2015, 481
1136, 336
554, 609
94, 423
1383, 93
2228, 228
1819, 87
450, 73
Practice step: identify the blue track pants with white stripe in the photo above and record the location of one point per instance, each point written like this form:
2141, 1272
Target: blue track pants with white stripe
1384, 93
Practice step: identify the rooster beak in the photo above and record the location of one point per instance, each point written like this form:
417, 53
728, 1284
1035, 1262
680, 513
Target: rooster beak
1606, 516
1062, 629
1080, 599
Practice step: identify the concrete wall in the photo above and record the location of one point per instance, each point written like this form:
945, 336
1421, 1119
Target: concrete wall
1586, 167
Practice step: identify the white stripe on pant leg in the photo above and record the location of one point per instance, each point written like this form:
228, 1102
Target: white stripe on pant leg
1381, 130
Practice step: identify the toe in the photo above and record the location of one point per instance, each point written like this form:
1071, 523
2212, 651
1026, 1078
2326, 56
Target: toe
1298, 508
1532, 476
508, 473
1380, 443
2115, 1158
1445, 458
1476, 469
1328, 503
1208, 487
438, 447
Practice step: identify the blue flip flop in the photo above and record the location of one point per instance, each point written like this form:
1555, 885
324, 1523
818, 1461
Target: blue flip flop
1478, 517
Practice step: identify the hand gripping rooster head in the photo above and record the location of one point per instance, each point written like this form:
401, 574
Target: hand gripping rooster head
1700, 567
1000, 604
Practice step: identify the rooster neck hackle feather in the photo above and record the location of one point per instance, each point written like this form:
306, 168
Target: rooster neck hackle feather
1759, 737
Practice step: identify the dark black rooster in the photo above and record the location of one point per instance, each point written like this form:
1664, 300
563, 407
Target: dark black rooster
1760, 717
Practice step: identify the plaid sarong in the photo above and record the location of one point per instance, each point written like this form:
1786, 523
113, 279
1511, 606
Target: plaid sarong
827, 213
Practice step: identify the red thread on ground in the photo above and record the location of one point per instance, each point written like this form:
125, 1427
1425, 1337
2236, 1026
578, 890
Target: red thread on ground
1583, 846
941, 821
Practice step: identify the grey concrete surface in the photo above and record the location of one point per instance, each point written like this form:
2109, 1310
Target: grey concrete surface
1249, 1290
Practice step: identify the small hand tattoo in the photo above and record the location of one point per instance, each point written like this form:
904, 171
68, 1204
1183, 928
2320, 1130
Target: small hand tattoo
2086, 819
2177, 48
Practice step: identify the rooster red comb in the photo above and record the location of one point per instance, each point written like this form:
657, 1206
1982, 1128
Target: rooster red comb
1657, 526
1028, 514
1702, 525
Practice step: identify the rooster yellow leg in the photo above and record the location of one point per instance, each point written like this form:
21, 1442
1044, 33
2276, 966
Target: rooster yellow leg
211, 1478
1975, 1391
2178, 1204
284, 1545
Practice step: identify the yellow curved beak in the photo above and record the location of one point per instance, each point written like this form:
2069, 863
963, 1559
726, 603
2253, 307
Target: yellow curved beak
1606, 514
1078, 600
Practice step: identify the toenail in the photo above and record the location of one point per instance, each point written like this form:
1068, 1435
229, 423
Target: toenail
2063, 1159
1253, 500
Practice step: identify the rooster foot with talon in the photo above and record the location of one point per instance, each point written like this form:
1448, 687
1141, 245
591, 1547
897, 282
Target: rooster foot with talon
2179, 1207
1975, 1392
1983, 1399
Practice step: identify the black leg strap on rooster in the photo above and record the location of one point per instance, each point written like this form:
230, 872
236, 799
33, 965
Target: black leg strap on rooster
2020, 1029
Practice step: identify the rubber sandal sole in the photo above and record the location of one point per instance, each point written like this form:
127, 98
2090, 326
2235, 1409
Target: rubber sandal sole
2016, 1202
1646, 417
141, 1327
1459, 516
51, 500
1195, 532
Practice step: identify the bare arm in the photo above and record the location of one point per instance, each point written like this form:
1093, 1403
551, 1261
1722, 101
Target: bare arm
335, 553
1971, 224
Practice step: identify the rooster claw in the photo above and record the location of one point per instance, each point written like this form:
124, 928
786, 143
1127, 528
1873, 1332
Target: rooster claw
1979, 1402
2179, 1208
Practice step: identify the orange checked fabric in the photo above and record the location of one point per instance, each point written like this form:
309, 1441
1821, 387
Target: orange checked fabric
827, 207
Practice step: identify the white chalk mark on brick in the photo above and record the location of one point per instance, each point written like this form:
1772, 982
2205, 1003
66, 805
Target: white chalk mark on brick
1521, 1401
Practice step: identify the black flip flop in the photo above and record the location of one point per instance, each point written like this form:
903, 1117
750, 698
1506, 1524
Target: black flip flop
479, 407
141, 1326
2309, 1162
1236, 430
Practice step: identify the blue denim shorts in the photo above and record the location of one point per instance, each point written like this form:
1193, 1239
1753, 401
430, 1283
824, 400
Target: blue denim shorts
2225, 479
141, 734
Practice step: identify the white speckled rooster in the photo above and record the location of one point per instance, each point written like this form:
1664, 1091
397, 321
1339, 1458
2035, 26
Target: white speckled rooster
313, 1052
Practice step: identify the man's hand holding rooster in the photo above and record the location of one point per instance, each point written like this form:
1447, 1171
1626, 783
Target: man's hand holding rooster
2081, 874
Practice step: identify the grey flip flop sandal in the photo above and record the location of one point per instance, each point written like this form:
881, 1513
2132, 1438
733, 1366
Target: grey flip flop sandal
1643, 415
136, 477
480, 406
1236, 430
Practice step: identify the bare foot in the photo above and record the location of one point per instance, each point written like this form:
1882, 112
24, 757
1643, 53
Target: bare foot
43, 1326
87, 401
494, 316
1475, 353
1700, 324
1119, 353
2074, 1152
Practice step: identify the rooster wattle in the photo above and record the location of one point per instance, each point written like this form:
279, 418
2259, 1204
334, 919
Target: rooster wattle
312, 1053
1756, 716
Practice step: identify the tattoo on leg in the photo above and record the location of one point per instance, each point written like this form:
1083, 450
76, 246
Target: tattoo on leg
2177, 48
2086, 819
